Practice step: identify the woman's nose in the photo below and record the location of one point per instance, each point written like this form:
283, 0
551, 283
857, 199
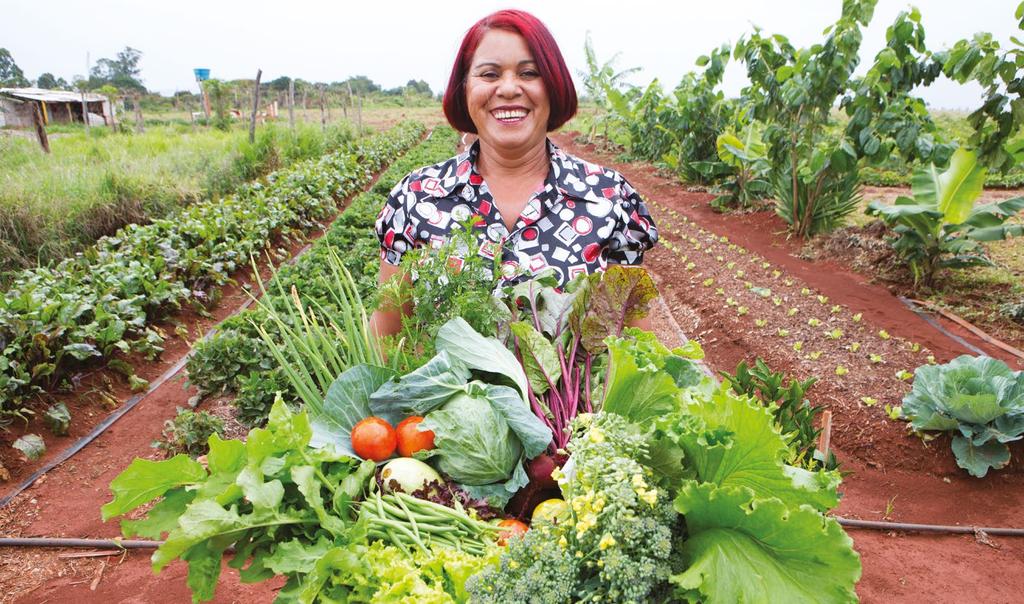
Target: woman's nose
508, 86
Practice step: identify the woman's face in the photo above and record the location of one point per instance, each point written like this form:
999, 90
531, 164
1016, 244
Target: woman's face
505, 93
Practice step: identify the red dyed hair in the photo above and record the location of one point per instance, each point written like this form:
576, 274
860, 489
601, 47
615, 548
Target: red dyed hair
550, 64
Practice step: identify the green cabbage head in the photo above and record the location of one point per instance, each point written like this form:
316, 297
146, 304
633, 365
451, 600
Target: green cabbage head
979, 398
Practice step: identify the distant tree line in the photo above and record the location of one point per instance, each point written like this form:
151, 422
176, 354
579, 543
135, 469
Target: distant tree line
121, 76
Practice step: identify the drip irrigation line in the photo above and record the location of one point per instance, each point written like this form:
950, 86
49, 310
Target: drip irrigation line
61, 542
928, 528
931, 321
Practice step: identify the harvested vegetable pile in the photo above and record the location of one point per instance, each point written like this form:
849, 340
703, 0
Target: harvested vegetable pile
642, 478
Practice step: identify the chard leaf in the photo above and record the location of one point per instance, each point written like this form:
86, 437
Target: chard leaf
145, 480
464, 345
419, 392
746, 549
346, 404
621, 296
58, 419
540, 358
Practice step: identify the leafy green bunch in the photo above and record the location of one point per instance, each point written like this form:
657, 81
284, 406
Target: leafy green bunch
614, 544
979, 399
286, 509
450, 281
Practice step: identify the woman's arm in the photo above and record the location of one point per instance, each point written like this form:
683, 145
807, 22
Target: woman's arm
387, 321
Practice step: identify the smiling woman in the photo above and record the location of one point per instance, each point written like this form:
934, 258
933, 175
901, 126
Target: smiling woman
539, 209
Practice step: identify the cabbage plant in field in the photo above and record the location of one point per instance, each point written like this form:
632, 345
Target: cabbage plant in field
979, 399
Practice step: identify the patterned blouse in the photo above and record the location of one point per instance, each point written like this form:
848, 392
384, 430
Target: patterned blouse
584, 217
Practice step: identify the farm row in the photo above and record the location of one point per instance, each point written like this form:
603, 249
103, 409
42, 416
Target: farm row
91, 185
99, 306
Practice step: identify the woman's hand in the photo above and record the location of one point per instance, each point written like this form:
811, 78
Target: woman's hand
387, 321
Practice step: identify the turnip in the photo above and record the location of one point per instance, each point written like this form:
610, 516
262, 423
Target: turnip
408, 473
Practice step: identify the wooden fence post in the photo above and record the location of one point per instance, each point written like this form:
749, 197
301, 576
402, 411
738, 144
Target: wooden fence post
140, 125
85, 112
255, 107
323, 118
359, 114
37, 117
291, 103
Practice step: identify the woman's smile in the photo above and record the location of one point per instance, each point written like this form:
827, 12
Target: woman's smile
505, 94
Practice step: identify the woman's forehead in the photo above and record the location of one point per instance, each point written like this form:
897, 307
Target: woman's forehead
501, 47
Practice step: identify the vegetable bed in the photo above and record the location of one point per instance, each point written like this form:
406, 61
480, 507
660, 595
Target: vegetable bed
101, 303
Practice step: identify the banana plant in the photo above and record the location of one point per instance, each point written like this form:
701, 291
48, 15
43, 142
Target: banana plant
941, 227
749, 162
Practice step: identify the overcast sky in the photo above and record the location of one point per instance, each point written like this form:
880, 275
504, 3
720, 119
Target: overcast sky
392, 42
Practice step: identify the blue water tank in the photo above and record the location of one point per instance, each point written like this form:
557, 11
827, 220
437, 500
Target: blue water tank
202, 73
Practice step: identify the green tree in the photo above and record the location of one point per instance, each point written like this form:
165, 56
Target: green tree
10, 74
51, 82
123, 71
362, 85
418, 87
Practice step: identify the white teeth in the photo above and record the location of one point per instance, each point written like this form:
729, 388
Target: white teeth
510, 115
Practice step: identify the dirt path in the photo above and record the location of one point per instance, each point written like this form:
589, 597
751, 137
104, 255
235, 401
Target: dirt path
750, 295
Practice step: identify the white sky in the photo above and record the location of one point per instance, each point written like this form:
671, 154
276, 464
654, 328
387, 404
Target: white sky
392, 42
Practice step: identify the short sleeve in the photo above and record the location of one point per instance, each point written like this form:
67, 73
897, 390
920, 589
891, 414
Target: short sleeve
394, 225
636, 233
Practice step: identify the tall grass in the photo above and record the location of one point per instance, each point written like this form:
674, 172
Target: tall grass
91, 185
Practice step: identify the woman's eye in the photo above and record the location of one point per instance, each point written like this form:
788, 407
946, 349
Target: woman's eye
488, 75
529, 74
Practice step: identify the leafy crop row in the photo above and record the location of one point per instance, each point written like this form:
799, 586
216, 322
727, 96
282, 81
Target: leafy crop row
103, 301
237, 360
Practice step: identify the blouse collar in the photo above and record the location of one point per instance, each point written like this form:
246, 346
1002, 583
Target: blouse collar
570, 175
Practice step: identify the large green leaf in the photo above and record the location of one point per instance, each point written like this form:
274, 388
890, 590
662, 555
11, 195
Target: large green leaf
745, 549
464, 345
732, 442
145, 480
638, 393
420, 391
979, 459
953, 191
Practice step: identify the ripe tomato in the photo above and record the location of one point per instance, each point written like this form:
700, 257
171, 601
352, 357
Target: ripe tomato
411, 439
512, 528
374, 438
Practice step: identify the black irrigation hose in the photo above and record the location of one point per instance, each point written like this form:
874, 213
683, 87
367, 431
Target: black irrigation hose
931, 321
928, 528
846, 522
85, 543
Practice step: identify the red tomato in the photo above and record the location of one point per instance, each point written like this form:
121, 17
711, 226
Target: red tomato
513, 527
374, 438
411, 439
